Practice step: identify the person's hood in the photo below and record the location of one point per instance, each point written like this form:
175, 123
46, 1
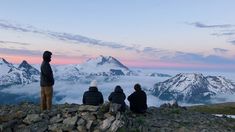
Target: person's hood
93, 83
118, 90
47, 56
93, 89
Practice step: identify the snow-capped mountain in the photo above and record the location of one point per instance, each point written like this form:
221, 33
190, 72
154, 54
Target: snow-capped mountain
104, 66
66, 72
11, 75
30, 70
4, 66
193, 88
101, 68
158, 75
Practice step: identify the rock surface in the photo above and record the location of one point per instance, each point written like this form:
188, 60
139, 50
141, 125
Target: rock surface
73, 117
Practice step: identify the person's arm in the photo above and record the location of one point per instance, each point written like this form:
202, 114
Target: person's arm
83, 98
110, 97
124, 96
102, 99
130, 98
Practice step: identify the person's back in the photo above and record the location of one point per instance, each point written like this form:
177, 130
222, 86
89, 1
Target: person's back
118, 97
93, 96
138, 100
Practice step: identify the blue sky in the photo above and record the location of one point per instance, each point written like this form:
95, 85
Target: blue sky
150, 33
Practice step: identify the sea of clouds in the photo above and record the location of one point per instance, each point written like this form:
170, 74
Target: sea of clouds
72, 92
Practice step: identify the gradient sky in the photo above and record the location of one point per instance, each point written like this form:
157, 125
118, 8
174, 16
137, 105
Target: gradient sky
197, 34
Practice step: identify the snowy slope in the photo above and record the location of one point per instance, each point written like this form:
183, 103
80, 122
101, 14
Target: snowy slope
192, 88
66, 72
11, 75
4, 66
102, 65
220, 84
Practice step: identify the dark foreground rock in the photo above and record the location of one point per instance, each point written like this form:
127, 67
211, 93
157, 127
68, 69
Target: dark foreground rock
73, 117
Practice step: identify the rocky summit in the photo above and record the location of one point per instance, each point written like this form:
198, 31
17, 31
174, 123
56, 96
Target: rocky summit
27, 117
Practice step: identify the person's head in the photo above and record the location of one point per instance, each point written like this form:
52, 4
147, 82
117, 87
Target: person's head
93, 83
47, 56
118, 89
137, 87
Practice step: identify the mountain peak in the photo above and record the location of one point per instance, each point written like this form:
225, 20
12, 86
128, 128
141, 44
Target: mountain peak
102, 64
106, 60
3, 61
24, 64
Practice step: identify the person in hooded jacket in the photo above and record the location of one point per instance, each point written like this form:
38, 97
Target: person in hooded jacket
93, 96
118, 97
138, 100
46, 81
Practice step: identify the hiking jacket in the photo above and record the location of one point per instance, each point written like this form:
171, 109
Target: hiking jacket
138, 101
93, 97
46, 78
118, 97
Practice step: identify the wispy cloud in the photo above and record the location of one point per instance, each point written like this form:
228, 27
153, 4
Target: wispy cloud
220, 50
67, 37
159, 54
74, 38
26, 52
232, 42
151, 49
20, 52
13, 42
202, 25
198, 58
227, 29
223, 34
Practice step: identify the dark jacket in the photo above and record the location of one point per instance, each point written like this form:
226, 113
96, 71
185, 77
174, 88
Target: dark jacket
93, 97
47, 78
118, 97
138, 101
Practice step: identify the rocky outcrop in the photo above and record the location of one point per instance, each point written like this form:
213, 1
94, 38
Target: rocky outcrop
64, 117
27, 117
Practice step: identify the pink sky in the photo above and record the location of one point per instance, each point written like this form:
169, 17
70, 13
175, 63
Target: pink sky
135, 63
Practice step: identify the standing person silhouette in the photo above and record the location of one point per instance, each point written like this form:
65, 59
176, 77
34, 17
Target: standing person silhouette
46, 82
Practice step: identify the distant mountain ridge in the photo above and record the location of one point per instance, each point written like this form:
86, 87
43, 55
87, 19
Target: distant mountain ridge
11, 75
102, 68
193, 88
